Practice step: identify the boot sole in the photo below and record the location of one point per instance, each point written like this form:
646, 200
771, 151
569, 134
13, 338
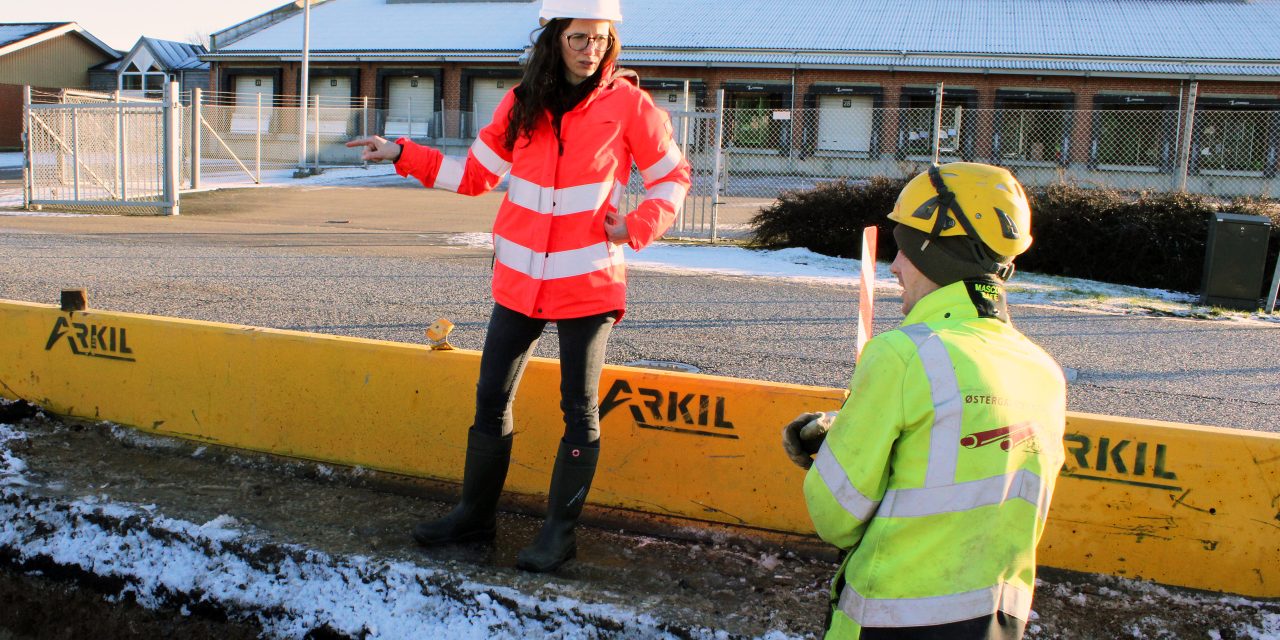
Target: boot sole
534, 568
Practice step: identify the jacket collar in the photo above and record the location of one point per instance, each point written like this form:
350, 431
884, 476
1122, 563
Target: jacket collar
963, 300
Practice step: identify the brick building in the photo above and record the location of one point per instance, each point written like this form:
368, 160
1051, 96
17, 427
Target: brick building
1041, 82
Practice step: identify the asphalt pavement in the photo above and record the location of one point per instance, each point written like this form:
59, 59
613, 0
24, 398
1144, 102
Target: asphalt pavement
379, 263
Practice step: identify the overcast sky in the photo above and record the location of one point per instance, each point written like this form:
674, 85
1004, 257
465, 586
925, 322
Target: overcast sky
120, 23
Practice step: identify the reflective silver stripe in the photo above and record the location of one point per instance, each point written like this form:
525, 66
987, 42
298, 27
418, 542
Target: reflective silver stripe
837, 481
672, 192
913, 503
450, 174
659, 170
587, 197
948, 406
918, 612
531, 196
560, 264
489, 159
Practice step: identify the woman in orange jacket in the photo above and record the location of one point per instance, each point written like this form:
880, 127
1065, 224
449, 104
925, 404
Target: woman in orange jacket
568, 135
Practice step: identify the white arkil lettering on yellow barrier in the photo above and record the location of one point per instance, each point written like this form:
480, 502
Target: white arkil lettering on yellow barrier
1178, 504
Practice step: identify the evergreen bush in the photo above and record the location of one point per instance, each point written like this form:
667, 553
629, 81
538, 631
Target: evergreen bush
1144, 239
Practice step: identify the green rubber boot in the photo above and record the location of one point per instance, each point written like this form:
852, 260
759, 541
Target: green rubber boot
483, 475
556, 542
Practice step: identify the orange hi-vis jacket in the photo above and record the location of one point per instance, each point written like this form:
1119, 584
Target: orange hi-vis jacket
552, 259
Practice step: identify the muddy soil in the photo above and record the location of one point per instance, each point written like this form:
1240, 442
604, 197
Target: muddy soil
742, 588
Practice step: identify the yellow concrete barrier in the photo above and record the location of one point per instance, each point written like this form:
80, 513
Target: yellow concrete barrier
1181, 505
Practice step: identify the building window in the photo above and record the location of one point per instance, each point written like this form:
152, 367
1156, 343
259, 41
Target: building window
1236, 136
916, 119
757, 116
1134, 132
1033, 127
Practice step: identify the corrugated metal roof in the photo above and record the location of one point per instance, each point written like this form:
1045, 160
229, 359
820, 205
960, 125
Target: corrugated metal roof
634, 56
1146, 33
176, 56
13, 32
172, 55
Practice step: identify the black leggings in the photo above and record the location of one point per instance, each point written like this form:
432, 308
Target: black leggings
507, 347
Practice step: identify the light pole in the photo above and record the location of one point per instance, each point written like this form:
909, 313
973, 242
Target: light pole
302, 93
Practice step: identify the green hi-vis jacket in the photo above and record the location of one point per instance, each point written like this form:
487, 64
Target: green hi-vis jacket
937, 473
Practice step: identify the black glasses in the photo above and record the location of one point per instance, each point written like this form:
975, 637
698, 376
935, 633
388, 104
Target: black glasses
580, 42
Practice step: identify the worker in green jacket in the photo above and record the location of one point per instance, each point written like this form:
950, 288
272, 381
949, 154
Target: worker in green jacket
936, 475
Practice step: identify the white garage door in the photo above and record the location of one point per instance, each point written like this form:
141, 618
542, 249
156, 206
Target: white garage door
332, 91
246, 117
486, 93
410, 107
844, 123
336, 114
249, 87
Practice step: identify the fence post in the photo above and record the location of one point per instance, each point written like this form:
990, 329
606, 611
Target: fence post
257, 143
75, 155
1184, 149
364, 122
172, 155
937, 123
718, 165
197, 117
28, 165
317, 141
124, 150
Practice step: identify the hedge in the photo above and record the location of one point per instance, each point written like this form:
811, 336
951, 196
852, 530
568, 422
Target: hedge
1142, 239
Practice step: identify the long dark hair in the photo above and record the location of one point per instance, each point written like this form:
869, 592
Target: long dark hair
543, 81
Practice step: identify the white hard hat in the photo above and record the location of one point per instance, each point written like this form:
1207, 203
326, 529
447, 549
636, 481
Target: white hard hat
588, 9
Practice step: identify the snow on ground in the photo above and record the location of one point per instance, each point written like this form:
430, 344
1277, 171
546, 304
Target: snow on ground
802, 265
289, 590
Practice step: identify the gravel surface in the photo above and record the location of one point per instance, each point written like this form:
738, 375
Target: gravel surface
1197, 371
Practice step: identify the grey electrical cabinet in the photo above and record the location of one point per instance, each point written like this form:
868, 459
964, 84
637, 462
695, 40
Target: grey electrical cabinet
1234, 258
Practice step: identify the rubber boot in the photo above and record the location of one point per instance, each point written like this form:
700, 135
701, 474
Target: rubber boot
483, 475
556, 542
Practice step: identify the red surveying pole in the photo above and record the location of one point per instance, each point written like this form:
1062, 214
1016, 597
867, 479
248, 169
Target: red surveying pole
866, 289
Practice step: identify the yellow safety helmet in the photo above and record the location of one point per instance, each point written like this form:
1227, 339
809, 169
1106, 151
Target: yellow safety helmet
980, 201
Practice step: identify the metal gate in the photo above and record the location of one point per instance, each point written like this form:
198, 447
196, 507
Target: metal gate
119, 156
697, 134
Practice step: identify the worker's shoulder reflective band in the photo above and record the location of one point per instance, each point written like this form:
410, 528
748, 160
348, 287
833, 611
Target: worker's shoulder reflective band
948, 407
918, 612
837, 481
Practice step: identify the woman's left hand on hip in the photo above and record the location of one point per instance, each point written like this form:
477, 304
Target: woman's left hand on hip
615, 228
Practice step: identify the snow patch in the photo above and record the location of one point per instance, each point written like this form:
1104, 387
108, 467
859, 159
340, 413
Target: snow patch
290, 591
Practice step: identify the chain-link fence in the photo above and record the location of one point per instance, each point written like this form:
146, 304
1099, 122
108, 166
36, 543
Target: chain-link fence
742, 158
1214, 152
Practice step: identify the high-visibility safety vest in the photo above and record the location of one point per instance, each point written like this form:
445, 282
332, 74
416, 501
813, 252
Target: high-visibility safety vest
552, 258
937, 473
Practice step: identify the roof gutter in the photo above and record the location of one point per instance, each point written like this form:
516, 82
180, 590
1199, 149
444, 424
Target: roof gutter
49, 34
